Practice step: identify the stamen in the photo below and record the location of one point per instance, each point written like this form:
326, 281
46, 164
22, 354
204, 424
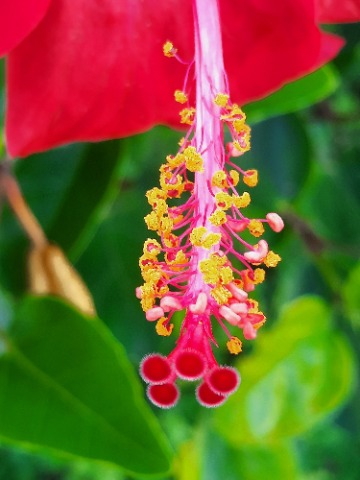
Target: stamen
199, 217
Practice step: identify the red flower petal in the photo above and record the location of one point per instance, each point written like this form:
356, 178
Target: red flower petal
17, 19
279, 42
335, 11
93, 71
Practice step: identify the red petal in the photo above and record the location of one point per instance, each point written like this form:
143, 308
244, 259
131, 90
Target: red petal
336, 11
93, 71
17, 19
279, 42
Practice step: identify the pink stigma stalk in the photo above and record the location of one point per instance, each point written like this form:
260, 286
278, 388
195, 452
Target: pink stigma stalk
190, 269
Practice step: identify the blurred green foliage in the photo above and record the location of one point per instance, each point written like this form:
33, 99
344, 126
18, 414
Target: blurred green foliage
297, 412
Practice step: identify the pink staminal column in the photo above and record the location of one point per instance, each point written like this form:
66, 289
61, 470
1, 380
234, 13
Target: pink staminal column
190, 269
194, 344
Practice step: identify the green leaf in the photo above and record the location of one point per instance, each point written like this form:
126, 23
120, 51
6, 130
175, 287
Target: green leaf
295, 95
351, 294
330, 198
118, 244
219, 460
67, 386
266, 461
91, 190
281, 153
187, 464
298, 373
68, 189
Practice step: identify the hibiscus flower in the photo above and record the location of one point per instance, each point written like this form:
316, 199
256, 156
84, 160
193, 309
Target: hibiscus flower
83, 70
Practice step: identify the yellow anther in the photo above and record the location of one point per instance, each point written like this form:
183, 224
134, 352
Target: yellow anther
169, 50
146, 263
180, 96
234, 345
179, 262
210, 274
256, 228
234, 177
259, 275
171, 183
193, 160
155, 194
218, 218
223, 200
152, 221
147, 303
177, 219
237, 111
220, 294
171, 241
152, 248
218, 260
243, 145
234, 112
221, 99
166, 225
175, 161
251, 178
152, 276
272, 259
198, 239
196, 236
147, 296
162, 329
219, 179
253, 306
242, 201
226, 275
160, 207
243, 130
211, 240
181, 141
239, 125
210, 268
164, 290
187, 115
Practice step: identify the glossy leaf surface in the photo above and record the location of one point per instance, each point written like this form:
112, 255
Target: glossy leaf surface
300, 372
67, 386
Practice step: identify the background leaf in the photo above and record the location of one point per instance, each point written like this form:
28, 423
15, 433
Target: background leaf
67, 386
351, 292
295, 95
69, 190
299, 373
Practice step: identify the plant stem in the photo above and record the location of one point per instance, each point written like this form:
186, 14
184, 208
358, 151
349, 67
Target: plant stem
10, 188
